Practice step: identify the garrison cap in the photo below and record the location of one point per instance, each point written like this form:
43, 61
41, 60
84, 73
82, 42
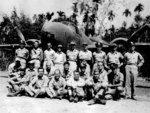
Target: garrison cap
72, 43
59, 46
113, 45
98, 44
84, 44
131, 44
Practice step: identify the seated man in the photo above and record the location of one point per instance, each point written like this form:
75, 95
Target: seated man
13, 68
83, 73
49, 71
57, 86
115, 87
31, 71
96, 86
39, 84
67, 72
75, 87
13, 82
87, 68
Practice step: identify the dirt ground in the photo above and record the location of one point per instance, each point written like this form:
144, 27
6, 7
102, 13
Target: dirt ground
45, 105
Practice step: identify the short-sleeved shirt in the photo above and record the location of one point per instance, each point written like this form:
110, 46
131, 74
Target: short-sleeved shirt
60, 58
49, 55
31, 73
115, 78
11, 68
67, 74
36, 53
22, 53
72, 55
103, 78
40, 83
73, 83
56, 85
99, 57
133, 58
85, 55
114, 57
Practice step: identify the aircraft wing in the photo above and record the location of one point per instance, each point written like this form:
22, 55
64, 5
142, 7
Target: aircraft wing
98, 39
139, 31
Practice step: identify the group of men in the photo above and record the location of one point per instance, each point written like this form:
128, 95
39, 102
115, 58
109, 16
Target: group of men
71, 75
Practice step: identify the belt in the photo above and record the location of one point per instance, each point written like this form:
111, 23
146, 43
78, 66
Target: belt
35, 59
72, 60
132, 64
21, 57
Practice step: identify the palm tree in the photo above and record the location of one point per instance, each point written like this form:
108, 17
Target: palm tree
127, 13
138, 19
111, 15
139, 8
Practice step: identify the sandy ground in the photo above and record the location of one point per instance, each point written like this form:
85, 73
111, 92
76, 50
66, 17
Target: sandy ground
45, 105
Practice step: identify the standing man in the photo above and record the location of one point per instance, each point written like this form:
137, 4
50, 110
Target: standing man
133, 61
114, 57
59, 59
49, 54
72, 55
85, 54
36, 55
22, 55
99, 55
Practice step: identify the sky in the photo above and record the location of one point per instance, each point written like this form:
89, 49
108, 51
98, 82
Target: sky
31, 7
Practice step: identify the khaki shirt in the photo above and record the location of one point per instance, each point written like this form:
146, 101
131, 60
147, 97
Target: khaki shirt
115, 78
49, 55
99, 57
56, 85
37, 54
85, 55
133, 58
22, 53
39, 83
72, 55
73, 83
114, 57
60, 58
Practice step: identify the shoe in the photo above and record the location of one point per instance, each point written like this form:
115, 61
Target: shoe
10, 95
76, 99
71, 99
91, 102
102, 101
59, 97
133, 98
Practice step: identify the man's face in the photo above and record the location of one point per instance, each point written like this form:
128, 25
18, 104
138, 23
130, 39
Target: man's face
36, 44
22, 46
59, 49
49, 46
96, 76
31, 67
84, 47
132, 48
99, 48
76, 76
41, 72
66, 66
100, 66
72, 47
57, 76
22, 73
83, 70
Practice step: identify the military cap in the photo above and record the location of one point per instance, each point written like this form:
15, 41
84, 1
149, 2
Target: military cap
98, 44
30, 63
72, 43
131, 44
22, 42
113, 45
84, 44
59, 46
